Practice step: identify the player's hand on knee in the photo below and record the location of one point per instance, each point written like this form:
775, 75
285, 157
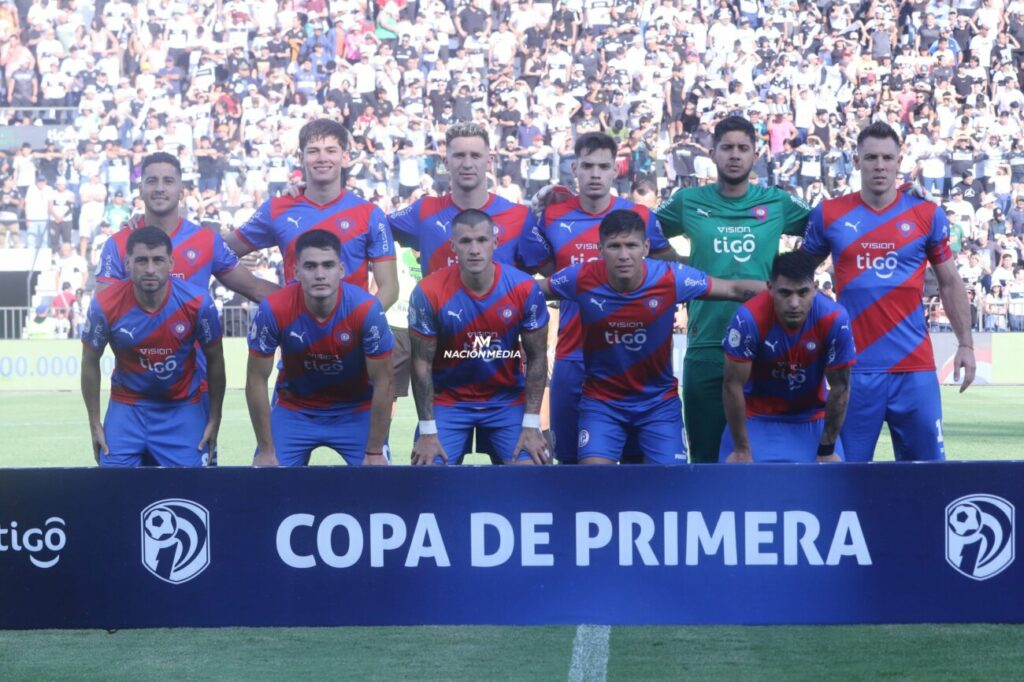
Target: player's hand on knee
532, 442
426, 448
99, 442
830, 458
265, 458
739, 457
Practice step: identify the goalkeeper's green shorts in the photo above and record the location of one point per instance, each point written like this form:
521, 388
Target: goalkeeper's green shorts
703, 412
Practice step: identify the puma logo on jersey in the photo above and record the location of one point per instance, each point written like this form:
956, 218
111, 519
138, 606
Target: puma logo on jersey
300, 336
294, 220
130, 333
456, 315
701, 211
772, 344
853, 226
599, 304
566, 226
441, 225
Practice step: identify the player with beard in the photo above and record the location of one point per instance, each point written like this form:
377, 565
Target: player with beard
734, 228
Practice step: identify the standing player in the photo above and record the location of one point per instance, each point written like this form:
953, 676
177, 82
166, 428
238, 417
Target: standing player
466, 322
360, 226
780, 348
568, 234
881, 241
734, 230
626, 308
153, 322
426, 225
334, 386
198, 253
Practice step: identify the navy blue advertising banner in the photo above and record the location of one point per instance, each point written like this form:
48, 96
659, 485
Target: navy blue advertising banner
755, 544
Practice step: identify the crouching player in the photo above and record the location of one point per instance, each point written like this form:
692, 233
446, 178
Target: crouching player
153, 323
466, 322
627, 307
334, 383
780, 348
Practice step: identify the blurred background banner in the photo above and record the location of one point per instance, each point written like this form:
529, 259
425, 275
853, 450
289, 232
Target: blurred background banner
757, 544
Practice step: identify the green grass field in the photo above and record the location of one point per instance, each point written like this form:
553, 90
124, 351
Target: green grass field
49, 430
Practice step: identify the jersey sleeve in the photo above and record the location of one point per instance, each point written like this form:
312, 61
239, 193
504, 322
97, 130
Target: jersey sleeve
795, 212
670, 216
381, 245
224, 259
404, 225
536, 310
534, 249
691, 283
209, 331
378, 341
741, 336
814, 238
841, 349
937, 243
258, 231
655, 235
263, 332
96, 331
111, 268
422, 316
564, 282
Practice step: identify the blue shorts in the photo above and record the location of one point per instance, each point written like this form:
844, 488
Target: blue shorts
908, 401
297, 433
658, 428
499, 426
564, 401
165, 436
772, 440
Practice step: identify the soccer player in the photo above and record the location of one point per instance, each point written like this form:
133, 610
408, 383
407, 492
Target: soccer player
426, 225
626, 309
153, 323
359, 225
334, 385
734, 229
780, 348
466, 322
568, 234
198, 253
881, 240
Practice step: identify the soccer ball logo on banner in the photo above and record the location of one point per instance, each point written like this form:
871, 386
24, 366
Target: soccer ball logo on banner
175, 539
980, 535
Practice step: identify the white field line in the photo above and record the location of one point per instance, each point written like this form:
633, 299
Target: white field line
590, 654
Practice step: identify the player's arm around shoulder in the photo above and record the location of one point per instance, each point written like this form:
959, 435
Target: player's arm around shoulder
733, 289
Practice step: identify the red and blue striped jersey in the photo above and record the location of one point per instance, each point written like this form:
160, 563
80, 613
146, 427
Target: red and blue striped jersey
478, 359
627, 336
880, 259
426, 226
323, 363
154, 352
199, 253
569, 235
361, 226
787, 375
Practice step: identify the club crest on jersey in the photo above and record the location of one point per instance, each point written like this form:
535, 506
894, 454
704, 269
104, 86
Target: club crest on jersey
344, 337
506, 313
905, 228
760, 213
344, 224
180, 329
653, 303
811, 345
191, 255
584, 438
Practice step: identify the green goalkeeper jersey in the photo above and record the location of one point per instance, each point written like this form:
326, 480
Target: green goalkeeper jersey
731, 238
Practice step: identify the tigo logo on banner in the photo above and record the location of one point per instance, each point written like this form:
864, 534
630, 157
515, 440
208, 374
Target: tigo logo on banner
979, 535
175, 539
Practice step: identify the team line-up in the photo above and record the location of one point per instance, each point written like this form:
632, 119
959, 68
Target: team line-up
774, 369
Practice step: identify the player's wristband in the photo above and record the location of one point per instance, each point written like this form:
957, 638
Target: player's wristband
964, 345
826, 450
428, 427
531, 421
374, 454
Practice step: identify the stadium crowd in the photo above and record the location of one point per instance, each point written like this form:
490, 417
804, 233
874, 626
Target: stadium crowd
225, 87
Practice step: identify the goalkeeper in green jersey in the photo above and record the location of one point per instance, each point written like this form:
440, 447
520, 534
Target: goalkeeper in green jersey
734, 230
